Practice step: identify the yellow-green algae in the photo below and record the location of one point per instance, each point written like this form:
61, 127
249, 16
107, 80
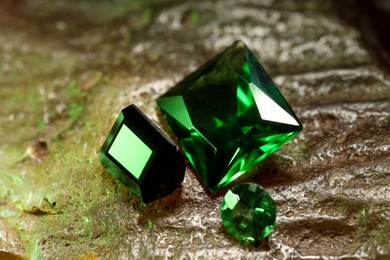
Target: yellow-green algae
50, 92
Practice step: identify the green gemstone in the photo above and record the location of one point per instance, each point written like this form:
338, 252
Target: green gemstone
228, 116
140, 156
248, 212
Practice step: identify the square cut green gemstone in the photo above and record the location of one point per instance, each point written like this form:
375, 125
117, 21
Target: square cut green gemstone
140, 156
228, 116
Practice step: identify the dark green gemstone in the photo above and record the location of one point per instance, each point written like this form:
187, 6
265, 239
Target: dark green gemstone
248, 212
139, 155
228, 116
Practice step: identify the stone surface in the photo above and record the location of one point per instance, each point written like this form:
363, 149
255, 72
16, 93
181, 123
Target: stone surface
68, 67
142, 157
248, 212
228, 115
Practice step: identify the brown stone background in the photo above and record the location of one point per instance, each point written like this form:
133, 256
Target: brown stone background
68, 67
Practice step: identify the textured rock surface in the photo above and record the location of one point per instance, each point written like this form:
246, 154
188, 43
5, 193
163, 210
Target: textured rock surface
68, 67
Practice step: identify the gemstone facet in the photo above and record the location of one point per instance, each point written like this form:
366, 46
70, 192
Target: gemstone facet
248, 212
228, 116
140, 156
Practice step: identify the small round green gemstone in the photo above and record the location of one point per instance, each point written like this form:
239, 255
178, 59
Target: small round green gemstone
248, 212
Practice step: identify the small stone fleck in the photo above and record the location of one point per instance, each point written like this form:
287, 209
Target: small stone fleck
38, 151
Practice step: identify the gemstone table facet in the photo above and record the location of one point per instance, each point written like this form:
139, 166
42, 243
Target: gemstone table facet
228, 116
140, 156
248, 212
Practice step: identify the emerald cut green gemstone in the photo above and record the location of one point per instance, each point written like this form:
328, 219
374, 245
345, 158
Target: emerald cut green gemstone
140, 156
228, 116
248, 212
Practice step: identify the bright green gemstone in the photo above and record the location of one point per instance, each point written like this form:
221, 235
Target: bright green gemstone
248, 212
228, 116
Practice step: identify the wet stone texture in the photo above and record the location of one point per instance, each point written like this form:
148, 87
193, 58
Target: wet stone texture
68, 67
